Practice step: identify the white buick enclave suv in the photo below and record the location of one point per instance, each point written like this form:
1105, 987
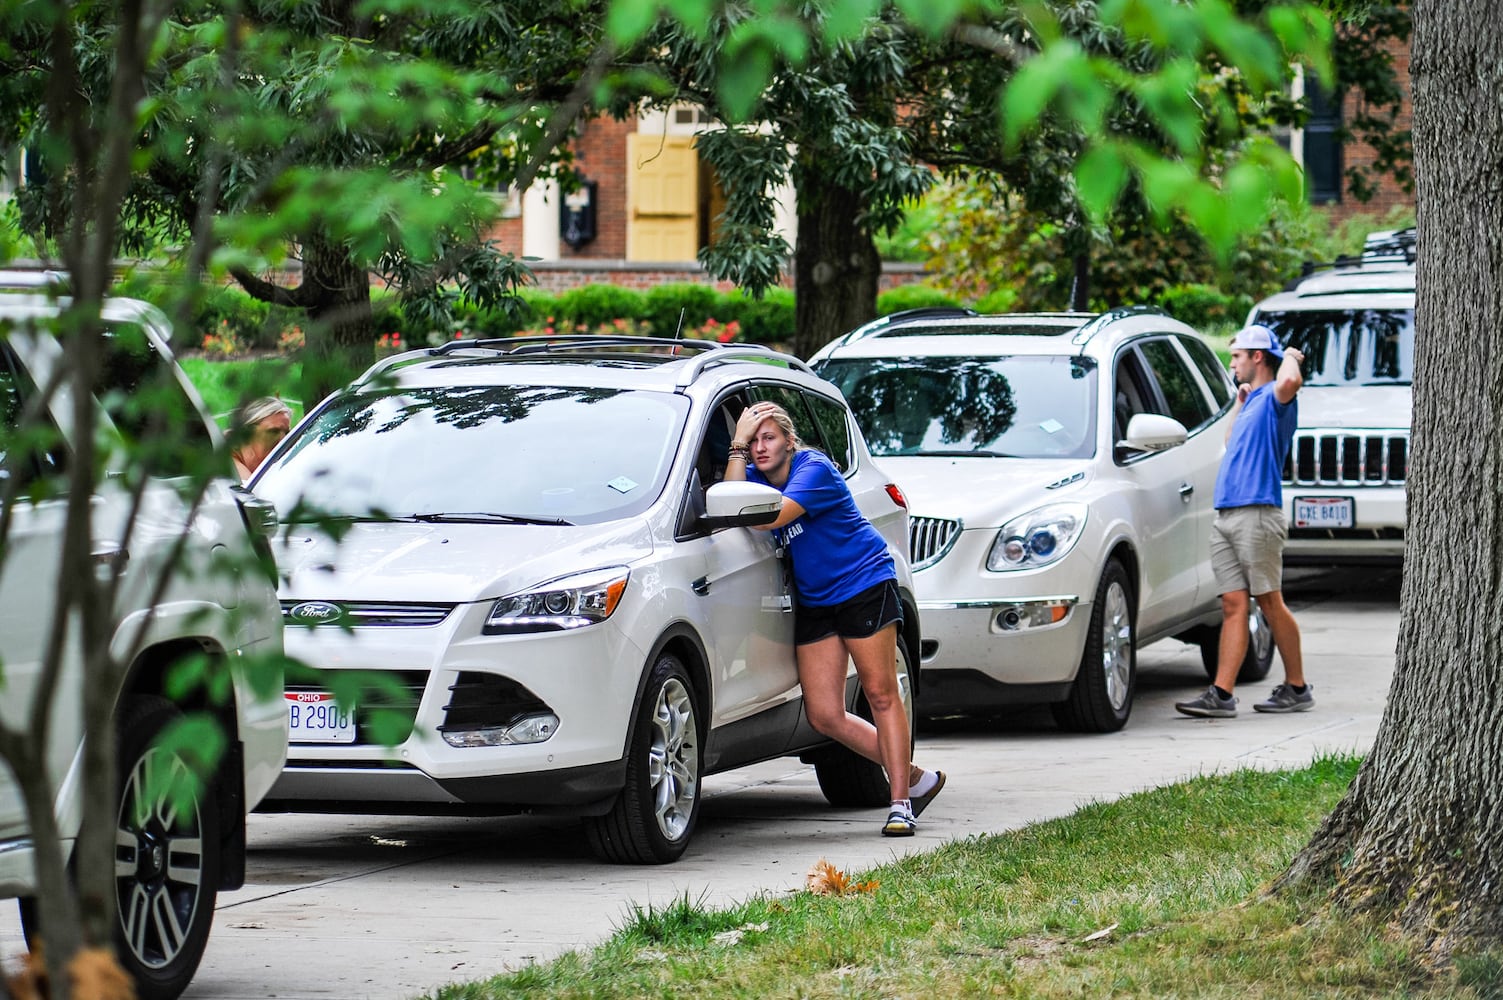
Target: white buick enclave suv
1060, 469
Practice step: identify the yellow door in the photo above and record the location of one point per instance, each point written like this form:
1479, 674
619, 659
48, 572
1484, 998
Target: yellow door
662, 189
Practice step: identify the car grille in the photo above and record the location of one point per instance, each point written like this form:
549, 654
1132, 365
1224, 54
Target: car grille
368, 614
1347, 458
929, 538
382, 710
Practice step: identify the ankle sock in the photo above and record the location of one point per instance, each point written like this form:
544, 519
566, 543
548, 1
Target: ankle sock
1299, 688
902, 805
928, 781
1225, 695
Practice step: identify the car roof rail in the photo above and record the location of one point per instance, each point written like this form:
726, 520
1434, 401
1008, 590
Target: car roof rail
739, 352
904, 316
1097, 324
705, 353
543, 343
19, 279
1394, 247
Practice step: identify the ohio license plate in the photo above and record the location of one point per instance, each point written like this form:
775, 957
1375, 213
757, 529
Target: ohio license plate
313, 717
1324, 512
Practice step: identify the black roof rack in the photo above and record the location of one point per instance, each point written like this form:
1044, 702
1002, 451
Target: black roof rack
1397, 247
542, 343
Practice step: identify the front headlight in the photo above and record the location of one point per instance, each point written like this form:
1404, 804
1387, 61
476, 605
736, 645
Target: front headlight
568, 602
1038, 538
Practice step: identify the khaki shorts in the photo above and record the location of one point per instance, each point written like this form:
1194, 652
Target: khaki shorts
1247, 549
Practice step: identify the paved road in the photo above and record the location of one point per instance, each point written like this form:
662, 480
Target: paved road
385, 908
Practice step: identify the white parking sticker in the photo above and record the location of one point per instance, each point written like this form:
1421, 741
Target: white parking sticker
622, 484
1052, 426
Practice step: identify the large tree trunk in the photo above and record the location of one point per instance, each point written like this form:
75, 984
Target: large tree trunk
1419, 837
836, 268
337, 294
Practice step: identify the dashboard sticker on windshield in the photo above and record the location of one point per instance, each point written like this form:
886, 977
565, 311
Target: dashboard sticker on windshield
1052, 426
621, 484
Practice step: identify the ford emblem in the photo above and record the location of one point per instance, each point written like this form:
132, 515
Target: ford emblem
315, 613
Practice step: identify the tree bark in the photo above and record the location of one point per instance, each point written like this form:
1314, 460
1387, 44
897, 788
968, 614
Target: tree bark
1418, 840
836, 267
335, 293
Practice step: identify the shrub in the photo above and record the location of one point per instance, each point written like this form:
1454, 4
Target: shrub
666, 305
768, 320
916, 296
1204, 306
998, 300
223, 343
592, 305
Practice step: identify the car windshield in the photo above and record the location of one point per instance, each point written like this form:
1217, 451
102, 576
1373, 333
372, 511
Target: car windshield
487, 454
1349, 346
1022, 406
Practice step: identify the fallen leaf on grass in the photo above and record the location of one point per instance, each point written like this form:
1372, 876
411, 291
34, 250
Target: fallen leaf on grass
824, 879
734, 936
1098, 935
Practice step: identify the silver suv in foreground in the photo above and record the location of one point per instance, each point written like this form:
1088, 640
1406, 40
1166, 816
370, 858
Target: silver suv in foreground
526, 590
1344, 481
170, 861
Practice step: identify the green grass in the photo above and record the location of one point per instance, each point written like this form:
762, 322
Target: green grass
226, 384
1172, 876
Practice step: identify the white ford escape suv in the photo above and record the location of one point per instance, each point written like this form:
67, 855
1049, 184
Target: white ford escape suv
513, 558
1344, 480
169, 862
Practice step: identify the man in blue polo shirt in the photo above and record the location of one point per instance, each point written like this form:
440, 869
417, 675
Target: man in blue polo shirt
1247, 540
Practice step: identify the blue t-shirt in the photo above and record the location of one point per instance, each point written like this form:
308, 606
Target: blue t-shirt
1252, 470
835, 550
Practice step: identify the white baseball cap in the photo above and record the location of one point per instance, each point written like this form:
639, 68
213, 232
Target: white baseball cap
1258, 338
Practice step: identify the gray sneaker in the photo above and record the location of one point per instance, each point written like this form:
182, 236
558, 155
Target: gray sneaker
1210, 705
1284, 699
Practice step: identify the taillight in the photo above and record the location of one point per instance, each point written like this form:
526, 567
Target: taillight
897, 495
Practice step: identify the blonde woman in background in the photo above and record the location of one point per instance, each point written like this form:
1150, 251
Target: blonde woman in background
255, 429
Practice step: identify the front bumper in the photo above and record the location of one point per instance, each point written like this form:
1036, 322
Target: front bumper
1377, 534
587, 677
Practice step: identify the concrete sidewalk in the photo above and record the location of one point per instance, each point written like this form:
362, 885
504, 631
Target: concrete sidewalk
394, 907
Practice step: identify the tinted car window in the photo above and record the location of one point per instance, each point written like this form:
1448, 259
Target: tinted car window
1181, 389
1210, 367
38, 453
830, 417
1349, 346
810, 428
546, 452
1020, 406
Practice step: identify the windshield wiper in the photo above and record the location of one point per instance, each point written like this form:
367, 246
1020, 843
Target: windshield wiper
962, 453
481, 517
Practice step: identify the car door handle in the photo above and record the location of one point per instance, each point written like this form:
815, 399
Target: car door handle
110, 559
1185, 489
701, 586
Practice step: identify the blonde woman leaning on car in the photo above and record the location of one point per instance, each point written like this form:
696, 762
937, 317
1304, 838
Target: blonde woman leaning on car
847, 603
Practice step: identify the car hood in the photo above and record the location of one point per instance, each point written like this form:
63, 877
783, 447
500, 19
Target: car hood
447, 563
1354, 406
984, 492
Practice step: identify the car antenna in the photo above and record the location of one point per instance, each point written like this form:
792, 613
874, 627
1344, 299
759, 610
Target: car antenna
679, 332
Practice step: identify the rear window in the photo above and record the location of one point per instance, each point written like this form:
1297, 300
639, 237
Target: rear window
1349, 346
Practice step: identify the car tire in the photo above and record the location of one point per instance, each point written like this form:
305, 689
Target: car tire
1100, 700
1259, 658
849, 780
654, 817
165, 904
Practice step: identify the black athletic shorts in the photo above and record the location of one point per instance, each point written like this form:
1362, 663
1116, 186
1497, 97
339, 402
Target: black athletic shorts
866, 614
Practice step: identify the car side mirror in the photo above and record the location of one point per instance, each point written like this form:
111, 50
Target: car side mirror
740, 505
1154, 432
260, 513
